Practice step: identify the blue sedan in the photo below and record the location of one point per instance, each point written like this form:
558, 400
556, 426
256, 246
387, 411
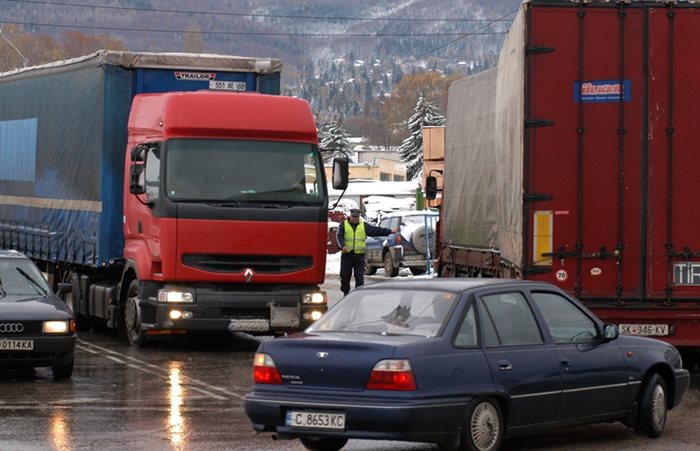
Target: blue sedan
461, 363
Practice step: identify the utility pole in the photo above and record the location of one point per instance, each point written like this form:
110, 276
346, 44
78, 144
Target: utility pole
25, 60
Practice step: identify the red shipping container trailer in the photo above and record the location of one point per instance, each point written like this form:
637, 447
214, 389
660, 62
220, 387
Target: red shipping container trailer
575, 162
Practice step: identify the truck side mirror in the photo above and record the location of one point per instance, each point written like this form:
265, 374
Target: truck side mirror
138, 181
431, 188
138, 153
340, 173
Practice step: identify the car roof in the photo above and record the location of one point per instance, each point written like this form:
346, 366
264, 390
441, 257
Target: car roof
393, 214
10, 253
450, 284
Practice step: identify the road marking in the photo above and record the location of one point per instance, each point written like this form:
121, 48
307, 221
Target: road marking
140, 365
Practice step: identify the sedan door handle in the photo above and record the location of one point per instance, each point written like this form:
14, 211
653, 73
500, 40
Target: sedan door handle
565, 362
504, 365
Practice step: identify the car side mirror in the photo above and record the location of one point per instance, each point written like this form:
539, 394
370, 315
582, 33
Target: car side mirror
610, 332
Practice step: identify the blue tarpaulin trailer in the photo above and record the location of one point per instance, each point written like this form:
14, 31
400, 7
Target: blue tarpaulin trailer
63, 136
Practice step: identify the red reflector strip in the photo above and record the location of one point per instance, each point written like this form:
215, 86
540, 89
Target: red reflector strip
166, 332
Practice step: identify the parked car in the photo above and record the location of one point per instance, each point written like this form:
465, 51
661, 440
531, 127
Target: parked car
411, 247
462, 363
37, 328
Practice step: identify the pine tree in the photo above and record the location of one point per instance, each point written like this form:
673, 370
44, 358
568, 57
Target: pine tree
334, 140
425, 114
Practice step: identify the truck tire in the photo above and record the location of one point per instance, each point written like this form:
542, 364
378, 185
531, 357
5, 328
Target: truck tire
82, 322
418, 238
389, 269
132, 316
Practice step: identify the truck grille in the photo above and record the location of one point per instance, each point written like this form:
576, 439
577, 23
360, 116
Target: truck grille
261, 264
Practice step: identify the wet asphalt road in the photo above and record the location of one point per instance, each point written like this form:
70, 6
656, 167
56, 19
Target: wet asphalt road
187, 395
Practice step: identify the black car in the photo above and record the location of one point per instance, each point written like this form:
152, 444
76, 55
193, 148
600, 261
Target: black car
36, 327
462, 363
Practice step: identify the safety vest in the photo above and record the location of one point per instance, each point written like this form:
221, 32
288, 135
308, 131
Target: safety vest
355, 239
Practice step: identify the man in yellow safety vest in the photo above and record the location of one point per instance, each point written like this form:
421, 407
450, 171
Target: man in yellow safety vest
351, 241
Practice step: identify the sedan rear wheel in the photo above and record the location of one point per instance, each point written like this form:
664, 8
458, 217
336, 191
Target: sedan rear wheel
389, 269
653, 407
323, 443
484, 428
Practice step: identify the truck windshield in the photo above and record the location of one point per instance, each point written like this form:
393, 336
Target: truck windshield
237, 171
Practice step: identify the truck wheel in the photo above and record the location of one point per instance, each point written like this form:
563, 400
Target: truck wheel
323, 443
369, 269
389, 269
653, 407
484, 427
132, 316
82, 322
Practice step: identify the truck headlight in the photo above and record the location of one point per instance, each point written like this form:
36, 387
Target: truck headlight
315, 297
55, 327
174, 296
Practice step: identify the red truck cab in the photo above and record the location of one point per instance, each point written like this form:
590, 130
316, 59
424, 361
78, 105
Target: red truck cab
224, 215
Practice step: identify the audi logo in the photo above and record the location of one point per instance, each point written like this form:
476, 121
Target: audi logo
11, 328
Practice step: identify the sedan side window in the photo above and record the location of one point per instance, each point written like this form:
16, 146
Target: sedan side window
566, 322
467, 335
508, 320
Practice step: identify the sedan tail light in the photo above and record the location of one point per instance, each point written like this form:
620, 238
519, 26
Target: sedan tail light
398, 239
264, 370
392, 375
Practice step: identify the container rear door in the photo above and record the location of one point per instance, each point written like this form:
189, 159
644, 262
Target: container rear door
673, 215
584, 157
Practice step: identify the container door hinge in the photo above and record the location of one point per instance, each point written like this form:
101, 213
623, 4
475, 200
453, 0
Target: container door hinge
535, 123
539, 50
536, 197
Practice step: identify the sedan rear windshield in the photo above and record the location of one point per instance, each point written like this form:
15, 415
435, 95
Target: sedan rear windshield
390, 312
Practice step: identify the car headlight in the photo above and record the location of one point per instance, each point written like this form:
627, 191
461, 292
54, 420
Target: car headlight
56, 327
175, 296
316, 297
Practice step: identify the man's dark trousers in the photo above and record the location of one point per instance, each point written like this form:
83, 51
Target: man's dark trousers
350, 262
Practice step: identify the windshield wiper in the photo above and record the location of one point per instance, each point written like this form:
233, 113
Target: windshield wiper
38, 288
